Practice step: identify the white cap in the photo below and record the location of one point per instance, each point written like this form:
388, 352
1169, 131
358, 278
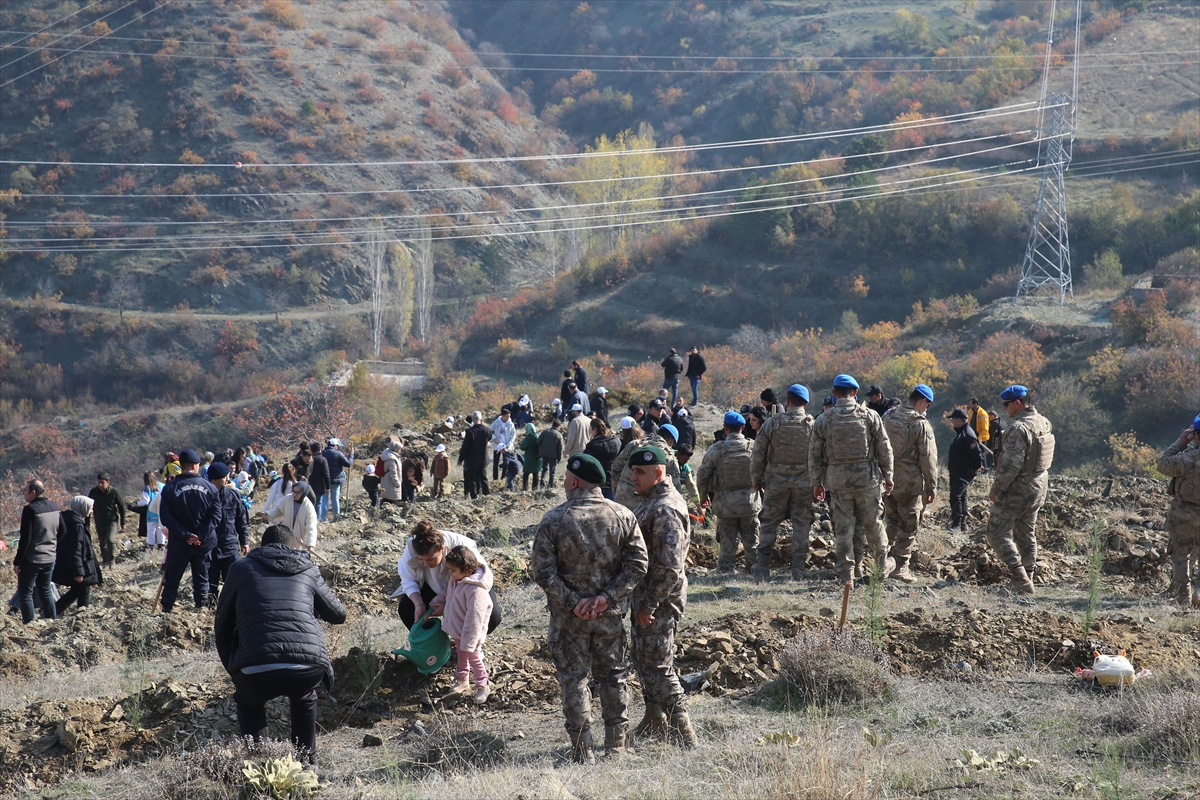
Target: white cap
627, 423
449, 420
557, 402
681, 412
370, 469
602, 390
441, 448
524, 401
335, 442
577, 407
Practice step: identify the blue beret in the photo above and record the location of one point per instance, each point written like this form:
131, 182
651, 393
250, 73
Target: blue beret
1014, 392
1196, 423
734, 418
671, 429
799, 391
218, 469
924, 391
845, 382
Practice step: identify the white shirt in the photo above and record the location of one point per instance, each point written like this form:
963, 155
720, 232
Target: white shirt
413, 573
503, 434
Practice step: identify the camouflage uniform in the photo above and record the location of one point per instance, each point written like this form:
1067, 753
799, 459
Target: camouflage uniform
1182, 463
1020, 486
915, 453
725, 472
623, 486
780, 465
586, 547
663, 519
850, 456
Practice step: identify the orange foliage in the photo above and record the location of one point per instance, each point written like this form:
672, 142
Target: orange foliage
1003, 359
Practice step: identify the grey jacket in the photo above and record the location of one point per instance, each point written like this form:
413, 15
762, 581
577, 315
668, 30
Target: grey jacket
41, 525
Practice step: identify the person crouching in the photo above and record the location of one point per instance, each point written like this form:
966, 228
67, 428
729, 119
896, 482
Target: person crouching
465, 619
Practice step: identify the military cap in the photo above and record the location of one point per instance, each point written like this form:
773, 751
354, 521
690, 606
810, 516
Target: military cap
830, 401
958, 413
657, 403
585, 468
845, 382
734, 418
671, 429
189, 456
1014, 392
218, 469
874, 390
796, 390
1196, 423
647, 456
924, 391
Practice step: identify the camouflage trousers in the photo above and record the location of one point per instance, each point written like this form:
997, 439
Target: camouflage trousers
654, 658
848, 509
1010, 527
781, 501
729, 529
580, 647
903, 514
1183, 538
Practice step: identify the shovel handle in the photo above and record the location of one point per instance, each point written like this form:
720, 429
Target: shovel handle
845, 604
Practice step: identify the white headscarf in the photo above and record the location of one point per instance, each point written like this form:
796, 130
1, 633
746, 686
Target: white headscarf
82, 505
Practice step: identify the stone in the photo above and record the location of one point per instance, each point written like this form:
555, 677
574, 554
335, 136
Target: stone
68, 735
371, 740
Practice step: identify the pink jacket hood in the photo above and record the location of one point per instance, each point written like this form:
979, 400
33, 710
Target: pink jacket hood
468, 608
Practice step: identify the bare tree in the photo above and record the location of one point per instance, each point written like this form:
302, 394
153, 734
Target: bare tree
422, 257
378, 273
277, 300
122, 290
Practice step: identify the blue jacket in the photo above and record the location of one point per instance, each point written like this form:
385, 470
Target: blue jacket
233, 524
189, 505
338, 462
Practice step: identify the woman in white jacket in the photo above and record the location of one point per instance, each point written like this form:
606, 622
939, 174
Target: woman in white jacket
298, 513
424, 577
280, 491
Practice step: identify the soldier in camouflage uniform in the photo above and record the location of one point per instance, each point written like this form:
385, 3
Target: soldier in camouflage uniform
588, 555
623, 491
850, 456
915, 454
725, 474
779, 469
658, 601
1019, 488
1182, 463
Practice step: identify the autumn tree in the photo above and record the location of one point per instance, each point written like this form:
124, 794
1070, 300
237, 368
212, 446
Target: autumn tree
310, 412
1002, 360
619, 180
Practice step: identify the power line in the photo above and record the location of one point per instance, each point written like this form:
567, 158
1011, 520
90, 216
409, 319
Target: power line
46, 28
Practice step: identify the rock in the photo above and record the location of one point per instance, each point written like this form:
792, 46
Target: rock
68, 735
962, 666
517, 735
371, 740
826, 612
117, 713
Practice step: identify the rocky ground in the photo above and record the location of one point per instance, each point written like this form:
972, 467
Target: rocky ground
115, 700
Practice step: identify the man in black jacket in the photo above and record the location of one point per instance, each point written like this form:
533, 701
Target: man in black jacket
876, 401
600, 404
108, 510
232, 526
319, 476
672, 368
965, 460
695, 371
41, 525
189, 510
580, 377
473, 458
686, 427
269, 637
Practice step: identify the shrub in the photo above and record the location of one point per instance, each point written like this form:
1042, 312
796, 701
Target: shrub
822, 667
1003, 359
1131, 457
372, 26
906, 371
283, 13
1104, 272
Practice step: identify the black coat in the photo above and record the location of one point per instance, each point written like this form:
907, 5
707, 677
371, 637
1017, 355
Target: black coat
965, 458
604, 449
318, 475
474, 451
687, 430
269, 611
189, 505
233, 526
600, 407
75, 555
581, 381
696, 367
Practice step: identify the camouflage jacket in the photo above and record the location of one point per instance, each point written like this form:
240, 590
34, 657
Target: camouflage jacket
849, 448
913, 449
725, 472
586, 547
781, 448
663, 519
624, 472
1181, 463
1028, 451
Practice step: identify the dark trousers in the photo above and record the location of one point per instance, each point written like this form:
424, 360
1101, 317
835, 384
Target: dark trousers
408, 612
408, 492
475, 481
374, 498
35, 577
496, 464
218, 568
958, 500
78, 592
297, 685
548, 465
106, 533
179, 560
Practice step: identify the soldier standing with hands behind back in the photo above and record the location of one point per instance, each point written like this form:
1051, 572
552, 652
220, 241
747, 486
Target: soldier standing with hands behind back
725, 473
1182, 463
588, 555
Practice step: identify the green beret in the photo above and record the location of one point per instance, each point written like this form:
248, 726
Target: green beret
586, 468
647, 457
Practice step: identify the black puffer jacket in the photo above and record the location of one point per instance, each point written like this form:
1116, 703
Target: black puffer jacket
268, 611
75, 555
604, 449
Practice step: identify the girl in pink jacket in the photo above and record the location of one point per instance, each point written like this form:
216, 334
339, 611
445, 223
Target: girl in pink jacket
465, 618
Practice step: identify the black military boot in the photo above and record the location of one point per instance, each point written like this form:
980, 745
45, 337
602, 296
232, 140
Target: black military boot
581, 747
653, 724
762, 570
680, 731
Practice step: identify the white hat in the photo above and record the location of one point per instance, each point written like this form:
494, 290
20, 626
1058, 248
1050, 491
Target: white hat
681, 412
557, 402
627, 423
602, 390
370, 469
449, 420
334, 441
524, 401
441, 448
577, 407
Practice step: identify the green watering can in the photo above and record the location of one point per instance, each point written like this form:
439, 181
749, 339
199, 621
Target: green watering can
429, 646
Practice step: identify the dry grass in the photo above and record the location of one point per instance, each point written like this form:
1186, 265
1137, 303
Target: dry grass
823, 667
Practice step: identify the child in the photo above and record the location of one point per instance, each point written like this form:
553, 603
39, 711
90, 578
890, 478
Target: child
465, 618
512, 467
440, 470
691, 494
408, 488
370, 484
